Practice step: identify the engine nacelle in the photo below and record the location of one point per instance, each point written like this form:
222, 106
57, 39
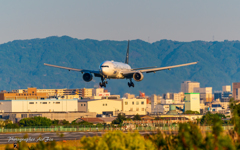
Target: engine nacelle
87, 77
138, 76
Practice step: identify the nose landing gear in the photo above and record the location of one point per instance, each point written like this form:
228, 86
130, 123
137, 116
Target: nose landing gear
130, 83
103, 83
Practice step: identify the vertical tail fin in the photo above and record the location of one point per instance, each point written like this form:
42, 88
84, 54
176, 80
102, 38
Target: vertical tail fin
127, 54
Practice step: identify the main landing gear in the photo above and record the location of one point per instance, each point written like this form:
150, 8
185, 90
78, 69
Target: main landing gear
103, 83
130, 83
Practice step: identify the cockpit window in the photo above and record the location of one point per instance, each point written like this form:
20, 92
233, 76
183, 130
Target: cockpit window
105, 66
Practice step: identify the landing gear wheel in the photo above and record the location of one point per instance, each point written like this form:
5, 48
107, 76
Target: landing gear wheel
130, 84
103, 83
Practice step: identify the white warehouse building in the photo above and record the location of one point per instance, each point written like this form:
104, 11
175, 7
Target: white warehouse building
113, 106
48, 105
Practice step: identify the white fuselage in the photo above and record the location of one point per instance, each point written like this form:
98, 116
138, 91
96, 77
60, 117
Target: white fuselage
111, 69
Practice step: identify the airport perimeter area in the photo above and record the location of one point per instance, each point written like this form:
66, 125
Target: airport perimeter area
101, 129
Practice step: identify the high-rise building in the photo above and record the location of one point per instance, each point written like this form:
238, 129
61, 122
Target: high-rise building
217, 95
205, 93
192, 102
188, 86
236, 90
226, 88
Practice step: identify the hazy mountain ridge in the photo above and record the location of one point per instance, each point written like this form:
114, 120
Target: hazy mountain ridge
22, 63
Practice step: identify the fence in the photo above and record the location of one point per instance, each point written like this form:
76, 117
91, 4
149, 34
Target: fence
96, 129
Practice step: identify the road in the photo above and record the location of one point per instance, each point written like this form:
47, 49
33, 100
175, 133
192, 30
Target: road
48, 136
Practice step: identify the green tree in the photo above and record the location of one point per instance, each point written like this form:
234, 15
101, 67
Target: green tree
119, 120
35, 121
191, 112
137, 117
209, 118
11, 125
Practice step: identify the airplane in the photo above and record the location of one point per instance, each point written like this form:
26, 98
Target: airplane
118, 70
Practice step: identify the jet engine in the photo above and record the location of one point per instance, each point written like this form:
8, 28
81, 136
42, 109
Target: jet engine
138, 76
87, 77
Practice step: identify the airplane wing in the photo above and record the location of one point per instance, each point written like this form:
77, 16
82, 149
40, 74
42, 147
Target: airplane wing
96, 73
143, 68
127, 73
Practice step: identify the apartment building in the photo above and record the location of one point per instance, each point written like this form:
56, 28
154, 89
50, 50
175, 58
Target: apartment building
55, 93
30, 93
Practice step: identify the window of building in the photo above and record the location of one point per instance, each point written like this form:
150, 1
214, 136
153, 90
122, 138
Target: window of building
81, 104
31, 102
142, 102
137, 109
133, 103
44, 102
126, 103
49, 102
36, 102
57, 102
84, 104
103, 104
142, 109
137, 103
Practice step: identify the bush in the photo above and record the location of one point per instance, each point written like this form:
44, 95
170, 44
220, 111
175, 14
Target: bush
117, 140
35, 121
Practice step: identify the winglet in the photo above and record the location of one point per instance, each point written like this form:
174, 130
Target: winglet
127, 54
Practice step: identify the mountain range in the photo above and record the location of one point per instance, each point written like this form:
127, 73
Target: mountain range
22, 63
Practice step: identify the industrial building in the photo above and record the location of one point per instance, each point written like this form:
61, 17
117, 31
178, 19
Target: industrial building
113, 106
49, 105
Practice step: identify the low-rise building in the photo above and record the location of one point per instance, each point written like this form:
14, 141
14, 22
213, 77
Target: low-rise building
48, 105
129, 96
113, 106
29, 94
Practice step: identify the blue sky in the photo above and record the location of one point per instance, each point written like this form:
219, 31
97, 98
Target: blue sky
153, 20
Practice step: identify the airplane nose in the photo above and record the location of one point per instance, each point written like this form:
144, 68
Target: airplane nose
103, 70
